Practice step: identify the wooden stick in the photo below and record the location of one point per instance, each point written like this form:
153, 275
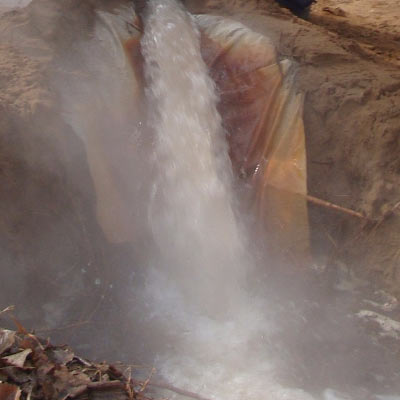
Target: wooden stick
147, 380
98, 386
106, 385
386, 215
7, 309
172, 388
335, 207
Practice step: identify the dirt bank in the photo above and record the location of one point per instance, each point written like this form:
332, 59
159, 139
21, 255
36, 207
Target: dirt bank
347, 68
373, 24
54, 255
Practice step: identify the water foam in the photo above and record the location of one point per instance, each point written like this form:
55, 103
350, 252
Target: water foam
198, 240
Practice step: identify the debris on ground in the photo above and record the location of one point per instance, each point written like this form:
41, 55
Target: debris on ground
33, 368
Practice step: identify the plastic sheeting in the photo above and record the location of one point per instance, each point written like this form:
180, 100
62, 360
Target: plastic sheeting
262, 113
107, 107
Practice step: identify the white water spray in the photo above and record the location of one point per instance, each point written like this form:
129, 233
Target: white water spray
200, 260
199, 242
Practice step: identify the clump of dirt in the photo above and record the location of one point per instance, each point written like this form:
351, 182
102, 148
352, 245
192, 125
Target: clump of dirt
352, 123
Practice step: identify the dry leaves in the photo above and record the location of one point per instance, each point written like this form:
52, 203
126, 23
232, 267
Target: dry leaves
31, 368
9, 392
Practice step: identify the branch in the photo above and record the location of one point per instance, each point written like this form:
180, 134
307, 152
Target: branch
163, 385
327, 204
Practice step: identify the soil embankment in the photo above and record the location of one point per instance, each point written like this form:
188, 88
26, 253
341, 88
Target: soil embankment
347, 57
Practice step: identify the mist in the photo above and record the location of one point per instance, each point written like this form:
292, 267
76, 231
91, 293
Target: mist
177, 275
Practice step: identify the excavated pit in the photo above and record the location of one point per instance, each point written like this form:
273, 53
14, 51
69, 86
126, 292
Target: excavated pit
67, 228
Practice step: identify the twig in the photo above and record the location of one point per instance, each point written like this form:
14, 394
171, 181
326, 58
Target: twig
7, 309
330, 162
386, 215
91, 315
146, 382
174, 389
327, 204
329, 236
98, 386
34, 338
61, 328
135, 26
134, 366
106, 385
21, 328
129, 386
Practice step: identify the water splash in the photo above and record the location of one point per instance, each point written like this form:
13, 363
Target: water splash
198, 239
198, 267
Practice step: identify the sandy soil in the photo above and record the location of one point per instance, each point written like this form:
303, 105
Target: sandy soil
372, 23
348, 68
379, 15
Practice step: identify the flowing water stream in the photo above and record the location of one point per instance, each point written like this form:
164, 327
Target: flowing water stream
200, 259
191, 194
